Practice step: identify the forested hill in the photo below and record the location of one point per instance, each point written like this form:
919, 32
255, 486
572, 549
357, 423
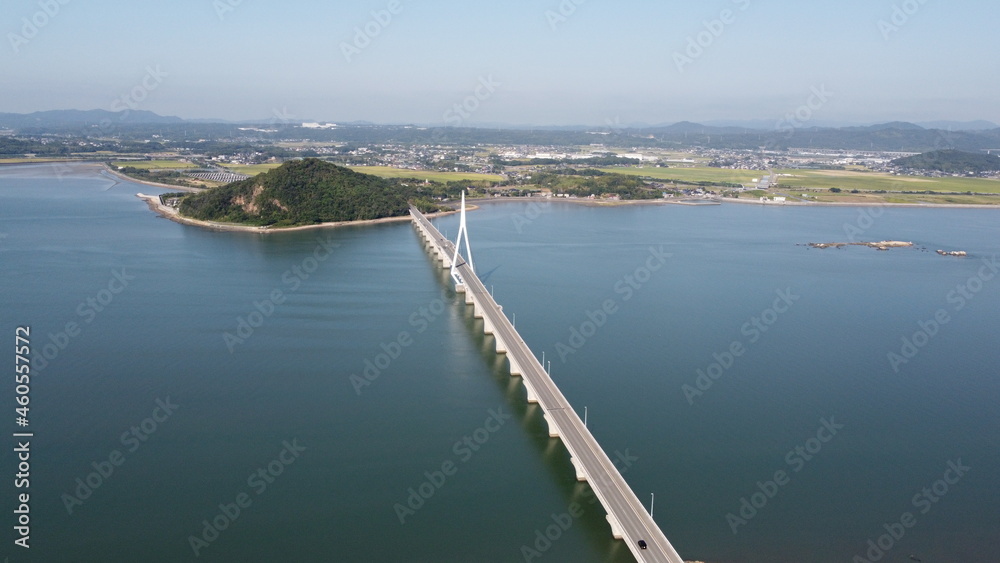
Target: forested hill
300, 192
951, 161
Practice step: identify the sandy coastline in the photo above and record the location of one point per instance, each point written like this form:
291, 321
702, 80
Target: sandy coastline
153, 201
125, 178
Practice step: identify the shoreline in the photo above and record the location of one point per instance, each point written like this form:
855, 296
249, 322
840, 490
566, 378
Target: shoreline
577, 201
153, 202
861, 204
124, 178
695, 202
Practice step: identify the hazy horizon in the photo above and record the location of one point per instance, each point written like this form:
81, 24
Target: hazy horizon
750, 124
554, 63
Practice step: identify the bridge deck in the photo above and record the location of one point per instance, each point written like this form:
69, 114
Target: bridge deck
601, 474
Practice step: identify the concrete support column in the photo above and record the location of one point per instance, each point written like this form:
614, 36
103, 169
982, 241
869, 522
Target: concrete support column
553, 428
616, 528
515, 368
532, 397
580, 475
501, 346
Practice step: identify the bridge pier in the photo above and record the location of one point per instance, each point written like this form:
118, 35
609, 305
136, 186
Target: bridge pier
580, 475
501, 345
616, 528
515, 368
435, 250
590, 463
553, 428
532, 396
445, 259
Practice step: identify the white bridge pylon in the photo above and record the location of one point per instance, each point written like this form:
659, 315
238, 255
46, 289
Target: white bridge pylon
463, 234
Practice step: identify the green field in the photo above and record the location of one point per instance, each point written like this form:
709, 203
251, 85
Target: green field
872, 198
871, 181
388, 172
383, 172
692, 174
251, 169
155, 164
846, 180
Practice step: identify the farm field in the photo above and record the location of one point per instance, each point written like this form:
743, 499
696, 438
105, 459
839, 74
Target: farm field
382, 171
691, 174
251, 169
871, 181
155, 164
872, 198
791, 179
389, 172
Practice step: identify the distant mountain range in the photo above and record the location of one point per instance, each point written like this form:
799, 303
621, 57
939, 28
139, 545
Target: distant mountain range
75, 118
980, 125
141, 126
56, 119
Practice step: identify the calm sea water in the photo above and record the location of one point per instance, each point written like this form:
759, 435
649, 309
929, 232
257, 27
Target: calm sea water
299, 392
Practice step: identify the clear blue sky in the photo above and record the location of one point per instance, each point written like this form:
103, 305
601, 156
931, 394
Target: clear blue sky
607, 61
